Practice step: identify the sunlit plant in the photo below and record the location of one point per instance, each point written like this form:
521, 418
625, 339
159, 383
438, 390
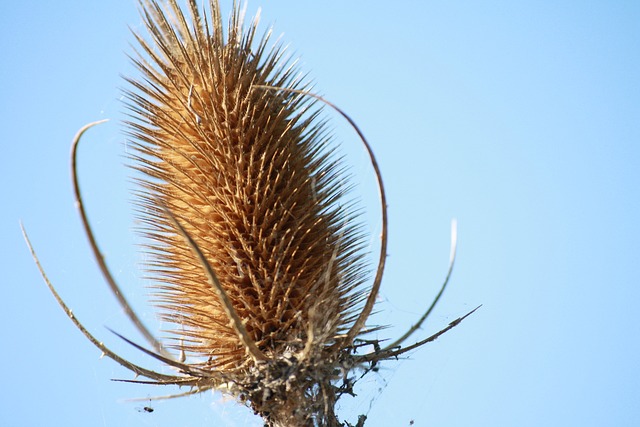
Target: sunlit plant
258, 254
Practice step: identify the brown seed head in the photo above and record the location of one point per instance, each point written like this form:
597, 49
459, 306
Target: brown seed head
247, 172
257, 256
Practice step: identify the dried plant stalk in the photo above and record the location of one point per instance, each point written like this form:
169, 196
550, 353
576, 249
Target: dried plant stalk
257, 255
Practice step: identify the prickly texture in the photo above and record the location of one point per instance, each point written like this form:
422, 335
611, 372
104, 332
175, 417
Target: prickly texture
247, 172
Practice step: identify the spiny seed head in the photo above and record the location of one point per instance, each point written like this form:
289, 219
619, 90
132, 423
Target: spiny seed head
246, 171
256, 254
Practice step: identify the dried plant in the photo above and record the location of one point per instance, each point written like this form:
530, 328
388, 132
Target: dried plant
256, 251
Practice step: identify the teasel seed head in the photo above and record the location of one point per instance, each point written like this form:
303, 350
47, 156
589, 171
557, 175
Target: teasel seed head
256, 252
247, 174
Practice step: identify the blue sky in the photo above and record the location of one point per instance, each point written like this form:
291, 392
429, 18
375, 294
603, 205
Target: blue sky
520, 119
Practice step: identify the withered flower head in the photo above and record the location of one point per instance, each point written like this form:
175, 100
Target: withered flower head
257, 257
246, 172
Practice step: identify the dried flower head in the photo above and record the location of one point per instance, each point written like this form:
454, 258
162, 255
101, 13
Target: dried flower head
245, 173
257, 257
